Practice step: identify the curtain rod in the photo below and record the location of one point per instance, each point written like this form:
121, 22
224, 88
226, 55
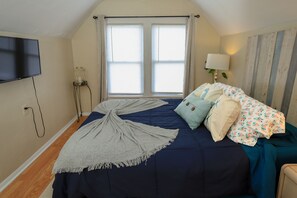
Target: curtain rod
113, 17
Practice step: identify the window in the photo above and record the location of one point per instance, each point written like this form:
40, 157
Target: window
168, 57
146, 58
124, 59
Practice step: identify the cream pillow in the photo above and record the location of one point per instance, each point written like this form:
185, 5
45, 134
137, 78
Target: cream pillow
221, 117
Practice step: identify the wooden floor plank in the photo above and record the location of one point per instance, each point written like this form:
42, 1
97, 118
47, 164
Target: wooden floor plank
33, 181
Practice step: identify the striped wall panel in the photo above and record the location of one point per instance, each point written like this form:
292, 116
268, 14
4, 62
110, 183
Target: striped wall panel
292, 111
283, 68
262, 74
275, 62
250, 62
271, 69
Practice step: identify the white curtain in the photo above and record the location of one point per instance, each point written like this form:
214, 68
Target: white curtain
101, 32
189, 81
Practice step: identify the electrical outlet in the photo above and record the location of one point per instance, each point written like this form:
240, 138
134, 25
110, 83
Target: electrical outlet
25, 111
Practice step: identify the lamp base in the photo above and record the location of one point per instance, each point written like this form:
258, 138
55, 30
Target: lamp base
215, 76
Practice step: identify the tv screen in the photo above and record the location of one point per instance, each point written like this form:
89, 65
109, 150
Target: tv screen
19, 58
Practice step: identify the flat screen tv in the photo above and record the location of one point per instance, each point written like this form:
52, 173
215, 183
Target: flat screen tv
19, 58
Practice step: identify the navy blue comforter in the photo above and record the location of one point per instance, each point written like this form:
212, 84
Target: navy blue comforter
192, 166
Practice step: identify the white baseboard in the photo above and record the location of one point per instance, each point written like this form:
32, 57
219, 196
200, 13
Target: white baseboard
29, 161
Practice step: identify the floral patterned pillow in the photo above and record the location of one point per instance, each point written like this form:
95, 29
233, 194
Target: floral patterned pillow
255, 120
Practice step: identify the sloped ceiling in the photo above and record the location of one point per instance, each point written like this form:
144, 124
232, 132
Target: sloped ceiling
44, 17
63, 17
235, 16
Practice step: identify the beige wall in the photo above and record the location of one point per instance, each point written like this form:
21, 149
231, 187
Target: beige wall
236, 45
18, 140
84, 41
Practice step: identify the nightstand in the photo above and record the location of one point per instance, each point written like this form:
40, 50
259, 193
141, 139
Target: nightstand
287, 185
77, 98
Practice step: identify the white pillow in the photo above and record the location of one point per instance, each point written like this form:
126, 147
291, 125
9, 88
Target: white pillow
212, 94
199, 90
228, 90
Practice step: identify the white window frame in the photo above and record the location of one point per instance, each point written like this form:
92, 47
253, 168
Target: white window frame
147, 67
112, 95
153, 65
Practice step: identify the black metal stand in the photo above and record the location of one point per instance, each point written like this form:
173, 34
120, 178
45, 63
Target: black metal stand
77, 97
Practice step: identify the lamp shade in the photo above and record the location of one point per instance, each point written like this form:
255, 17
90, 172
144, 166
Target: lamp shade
217, 61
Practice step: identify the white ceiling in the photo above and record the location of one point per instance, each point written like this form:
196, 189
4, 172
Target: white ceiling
62, 17
44, 17
234, 16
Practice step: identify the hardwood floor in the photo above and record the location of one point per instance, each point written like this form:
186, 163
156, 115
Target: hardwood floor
33, 181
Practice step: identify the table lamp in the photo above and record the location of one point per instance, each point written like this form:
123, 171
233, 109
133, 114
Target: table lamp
79, 73
217, 62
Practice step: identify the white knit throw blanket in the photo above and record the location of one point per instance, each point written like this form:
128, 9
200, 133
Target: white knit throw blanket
112, 141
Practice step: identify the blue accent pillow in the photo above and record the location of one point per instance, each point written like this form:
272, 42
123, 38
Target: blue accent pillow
193, 110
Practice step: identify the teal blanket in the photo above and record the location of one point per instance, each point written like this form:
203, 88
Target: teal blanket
266, 159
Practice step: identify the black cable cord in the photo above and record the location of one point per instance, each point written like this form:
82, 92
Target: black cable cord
37, 133
34, 121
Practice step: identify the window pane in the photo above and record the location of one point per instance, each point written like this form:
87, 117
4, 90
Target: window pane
124, 43
124, 57
168, 54
169, 42
124, 78
168, 77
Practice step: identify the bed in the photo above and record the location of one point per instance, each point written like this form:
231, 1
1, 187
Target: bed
192, 166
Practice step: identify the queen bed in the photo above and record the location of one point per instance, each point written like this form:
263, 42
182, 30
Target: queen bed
193, 165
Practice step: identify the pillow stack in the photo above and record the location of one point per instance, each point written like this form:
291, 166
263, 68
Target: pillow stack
209, 102
227, 110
